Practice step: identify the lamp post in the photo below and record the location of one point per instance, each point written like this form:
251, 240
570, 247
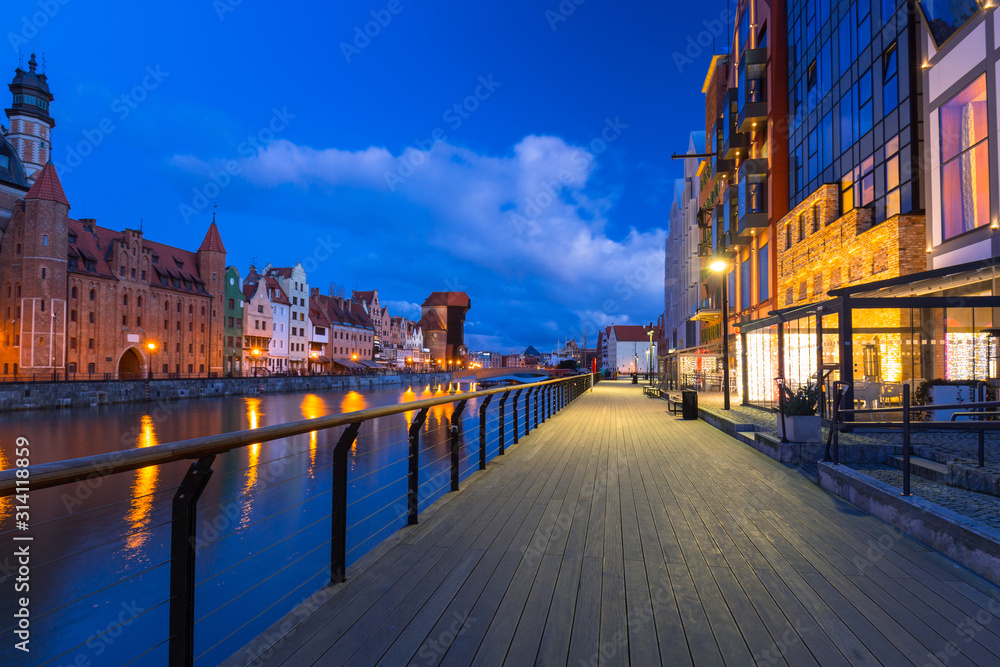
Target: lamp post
719, 266
151, 346
649, 367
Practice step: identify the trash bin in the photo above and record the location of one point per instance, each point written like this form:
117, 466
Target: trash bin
689, 404
635, 378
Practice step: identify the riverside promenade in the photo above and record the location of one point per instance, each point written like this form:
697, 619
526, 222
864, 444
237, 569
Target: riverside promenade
618, 534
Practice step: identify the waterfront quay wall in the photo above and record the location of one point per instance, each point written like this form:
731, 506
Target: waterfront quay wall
85, 393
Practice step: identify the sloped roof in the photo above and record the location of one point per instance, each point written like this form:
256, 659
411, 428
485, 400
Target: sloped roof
283, 271
364, 296
530, 351
431, 321
631, 332
213, 240
274, 291
47, 186
169, 263
448, 299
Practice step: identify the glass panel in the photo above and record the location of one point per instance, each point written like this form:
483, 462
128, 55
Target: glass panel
945, 17
963, 120
965, 197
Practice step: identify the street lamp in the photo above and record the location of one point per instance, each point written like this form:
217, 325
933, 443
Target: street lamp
719, 266
151, 346
649, 367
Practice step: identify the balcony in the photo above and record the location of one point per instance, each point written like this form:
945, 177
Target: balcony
724, 168
752, 90
751, 212
737, 144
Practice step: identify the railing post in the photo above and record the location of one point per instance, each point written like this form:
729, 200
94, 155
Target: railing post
527, 411
906, 439
482, 432
456, 435
838, 390
982, 434
413, 476
517, 426
537, 391
183, 533
338, 537
503, 422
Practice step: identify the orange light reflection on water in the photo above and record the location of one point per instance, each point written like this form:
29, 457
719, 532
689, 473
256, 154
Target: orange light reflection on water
253, 417
312, 407
142, 490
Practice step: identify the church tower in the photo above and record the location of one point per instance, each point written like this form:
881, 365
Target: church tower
30, 123
212, 267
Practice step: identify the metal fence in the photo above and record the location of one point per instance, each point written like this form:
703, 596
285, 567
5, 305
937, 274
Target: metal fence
528, 405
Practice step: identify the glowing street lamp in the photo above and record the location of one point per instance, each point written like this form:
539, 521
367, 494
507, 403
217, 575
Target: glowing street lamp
719, 266
151, 346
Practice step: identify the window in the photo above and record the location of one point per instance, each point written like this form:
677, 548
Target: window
892, 177
815, 217
143, 275
121, 270
846, 121
125, 300
166, 324
90, 343
239, 322
866, 181
191, 310
43, 273
260, 309
90, 315
763, 274
45, 239
43, 305
811, 76
229, 341
124, 320
17, 249
91, 367
138, 321
802, 227
133, 274
745, 284
72, 316
945, 18
864, 97
139, 302
890, 82
965, 167
232, 304
17, 292
256, 324
846, 194
231, 322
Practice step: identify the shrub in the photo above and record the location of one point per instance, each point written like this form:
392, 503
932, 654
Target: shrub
801, 402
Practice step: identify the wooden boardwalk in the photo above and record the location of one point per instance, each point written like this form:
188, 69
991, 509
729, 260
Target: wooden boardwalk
617, 534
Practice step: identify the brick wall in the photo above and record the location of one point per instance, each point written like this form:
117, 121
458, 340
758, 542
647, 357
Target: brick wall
845, 250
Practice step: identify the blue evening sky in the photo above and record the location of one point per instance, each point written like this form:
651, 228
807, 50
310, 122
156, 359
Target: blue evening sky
546, 198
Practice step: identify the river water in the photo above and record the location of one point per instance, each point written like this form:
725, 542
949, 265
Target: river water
99, 577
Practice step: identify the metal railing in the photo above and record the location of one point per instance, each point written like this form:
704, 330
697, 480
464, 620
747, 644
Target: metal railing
548, 398
987, 411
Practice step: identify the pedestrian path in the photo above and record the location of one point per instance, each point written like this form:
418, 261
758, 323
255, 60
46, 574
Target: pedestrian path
618, 534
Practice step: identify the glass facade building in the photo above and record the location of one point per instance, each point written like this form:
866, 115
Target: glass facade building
853, 104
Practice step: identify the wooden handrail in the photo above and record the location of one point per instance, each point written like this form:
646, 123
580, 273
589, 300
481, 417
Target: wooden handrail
45, 475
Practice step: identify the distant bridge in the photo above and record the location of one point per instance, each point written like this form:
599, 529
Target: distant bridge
499, 375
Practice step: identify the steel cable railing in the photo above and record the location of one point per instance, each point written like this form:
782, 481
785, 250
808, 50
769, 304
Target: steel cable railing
496, 417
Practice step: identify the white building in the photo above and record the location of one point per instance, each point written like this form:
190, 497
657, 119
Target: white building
278, 354
293, 283
629, 349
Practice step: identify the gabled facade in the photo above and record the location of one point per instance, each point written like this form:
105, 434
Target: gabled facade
232, 350
293, 283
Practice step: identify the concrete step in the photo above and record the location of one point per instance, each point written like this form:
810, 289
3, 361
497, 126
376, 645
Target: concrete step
921, 467
746, 437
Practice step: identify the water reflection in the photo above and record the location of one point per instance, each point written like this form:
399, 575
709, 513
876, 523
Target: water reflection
142, 491
312, 407
353, 402
253, 416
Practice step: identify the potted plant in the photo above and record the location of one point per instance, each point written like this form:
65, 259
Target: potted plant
798, 421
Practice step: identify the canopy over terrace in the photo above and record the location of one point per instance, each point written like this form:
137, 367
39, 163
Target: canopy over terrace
934, 325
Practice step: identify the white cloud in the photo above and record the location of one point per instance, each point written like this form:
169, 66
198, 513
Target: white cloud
404, 309
531, 212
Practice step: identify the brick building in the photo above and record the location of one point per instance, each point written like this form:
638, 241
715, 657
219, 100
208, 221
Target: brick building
79, 298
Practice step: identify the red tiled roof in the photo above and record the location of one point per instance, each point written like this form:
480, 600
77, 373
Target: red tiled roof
365, 297
284, 272
631, 332
47, 186
280, 296
213, 240
170, 263
448, 299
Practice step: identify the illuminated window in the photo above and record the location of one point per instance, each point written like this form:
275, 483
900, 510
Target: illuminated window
890, 82
945, 18
965, 167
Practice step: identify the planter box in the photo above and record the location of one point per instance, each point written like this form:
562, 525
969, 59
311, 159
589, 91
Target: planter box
944, 394
801, 428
